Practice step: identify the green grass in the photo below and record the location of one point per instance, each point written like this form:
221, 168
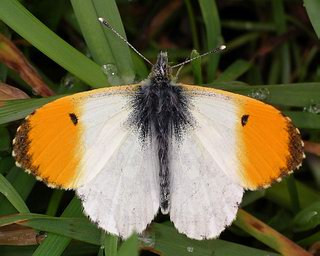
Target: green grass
272, 54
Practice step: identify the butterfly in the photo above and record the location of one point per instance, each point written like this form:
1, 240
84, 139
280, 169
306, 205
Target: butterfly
131, 150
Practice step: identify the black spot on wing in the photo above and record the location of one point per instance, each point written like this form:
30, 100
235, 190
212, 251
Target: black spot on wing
73, 118
244, 120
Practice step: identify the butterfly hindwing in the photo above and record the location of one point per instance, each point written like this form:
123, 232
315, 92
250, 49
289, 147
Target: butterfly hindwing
251, 141
204, 199
67, 142
124, 196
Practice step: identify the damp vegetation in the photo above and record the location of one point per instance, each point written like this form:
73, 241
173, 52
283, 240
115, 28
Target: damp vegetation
53, 48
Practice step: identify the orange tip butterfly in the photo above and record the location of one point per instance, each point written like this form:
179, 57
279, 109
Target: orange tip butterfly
131, 150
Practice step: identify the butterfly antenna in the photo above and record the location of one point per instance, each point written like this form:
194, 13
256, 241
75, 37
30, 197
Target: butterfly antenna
216, 50
107, 24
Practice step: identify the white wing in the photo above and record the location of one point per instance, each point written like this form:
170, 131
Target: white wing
204, 200
104, 130
124, 196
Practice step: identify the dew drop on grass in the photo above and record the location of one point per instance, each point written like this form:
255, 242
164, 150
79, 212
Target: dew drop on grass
40, 236
312, 108
147, 239
68, 81
259, 94
109, 69
112, 73
190, 249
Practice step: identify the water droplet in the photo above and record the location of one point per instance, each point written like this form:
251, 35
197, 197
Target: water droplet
112, 73
313, 108
259, 94
109, 69
40, 236
147, 238
68, 81
190, 249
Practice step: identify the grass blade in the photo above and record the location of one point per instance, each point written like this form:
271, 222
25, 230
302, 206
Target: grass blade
106, 48
54, 245
213, 30
313, 10
297, 94
234, 71
279, 194
25, 24
267, 235
12, 195
280, 22
169, 242
17, 109
110, 244
22, 183
129, 247
196, 67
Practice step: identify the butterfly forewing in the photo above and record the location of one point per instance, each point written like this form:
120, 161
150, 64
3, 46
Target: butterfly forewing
252, 141
67, 142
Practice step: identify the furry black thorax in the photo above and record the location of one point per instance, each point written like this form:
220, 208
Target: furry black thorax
161, 115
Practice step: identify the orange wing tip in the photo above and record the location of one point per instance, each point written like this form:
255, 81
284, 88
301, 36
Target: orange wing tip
294, 159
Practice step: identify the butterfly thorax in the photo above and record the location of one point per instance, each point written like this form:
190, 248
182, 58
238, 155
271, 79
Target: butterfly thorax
161, 114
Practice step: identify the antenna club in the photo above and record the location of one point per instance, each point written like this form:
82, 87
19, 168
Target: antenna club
222, 47
104, 22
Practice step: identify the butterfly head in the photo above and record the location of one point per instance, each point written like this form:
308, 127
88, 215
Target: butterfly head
161, 70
